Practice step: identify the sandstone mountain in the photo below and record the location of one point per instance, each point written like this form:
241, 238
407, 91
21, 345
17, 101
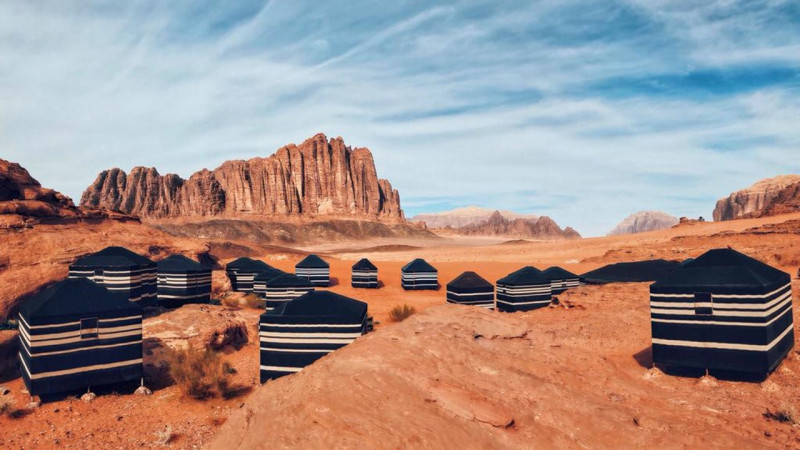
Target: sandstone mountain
319, 177
21, 194
461, 217
541, 228
753, 200
644, 221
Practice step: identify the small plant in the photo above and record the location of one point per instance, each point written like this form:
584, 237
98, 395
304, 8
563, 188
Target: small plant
165, 436
230, 301
199, 374
786, 413
254, 301
6, 405
401, 312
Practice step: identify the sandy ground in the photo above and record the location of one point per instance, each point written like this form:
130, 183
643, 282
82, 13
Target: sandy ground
576, 377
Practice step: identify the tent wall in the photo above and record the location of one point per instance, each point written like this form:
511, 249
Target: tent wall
136, 283
420, 280
278, 295
561, 285
178, 288
483, 297
512, 298
318, 276
365, 278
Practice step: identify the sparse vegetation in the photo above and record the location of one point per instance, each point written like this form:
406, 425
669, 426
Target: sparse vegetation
230, 301
200, 374
6, 404
401, 312
254, 301
786, 413
165, 436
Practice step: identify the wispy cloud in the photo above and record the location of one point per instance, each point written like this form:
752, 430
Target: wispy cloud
582, 111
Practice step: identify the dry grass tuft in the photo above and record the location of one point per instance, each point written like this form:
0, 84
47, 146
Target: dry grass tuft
199, 374
254, 301
786, 413
401, 312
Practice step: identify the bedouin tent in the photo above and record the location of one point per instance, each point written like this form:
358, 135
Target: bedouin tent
526, 289
260, 281
631, 272
561, 279
723, 310
365, 274
303, 330
418, 274
284, 288
314, 269
182, 280
123, 272
242, 271
77, 334
469, 288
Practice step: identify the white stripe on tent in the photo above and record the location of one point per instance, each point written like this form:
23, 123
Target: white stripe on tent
78, 369
59, 352
719, 312
37, 327
722, 305
310, 334
79, 339
307, 341
52, 336
281, 369
304, 325
725, 295
297, 350
712, 322
470, 294
723, 345
524, 303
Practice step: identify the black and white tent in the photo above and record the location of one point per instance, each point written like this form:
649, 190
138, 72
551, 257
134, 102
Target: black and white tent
126, 274
365, 274
300, 332
314, 269
723, 310
182, 280
242, 271
469, 288
561, 279
261, 280
526, 289
77, 334
284, 288
418, 274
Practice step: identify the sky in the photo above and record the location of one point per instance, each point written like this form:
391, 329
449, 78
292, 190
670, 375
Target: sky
582, 111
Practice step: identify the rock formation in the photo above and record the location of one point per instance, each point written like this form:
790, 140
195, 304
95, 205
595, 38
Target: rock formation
462, 217
541, 228
21, 194
751, 201
319, 177
787, 201
644, 221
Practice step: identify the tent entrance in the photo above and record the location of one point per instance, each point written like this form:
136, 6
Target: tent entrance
703, 304
89, 328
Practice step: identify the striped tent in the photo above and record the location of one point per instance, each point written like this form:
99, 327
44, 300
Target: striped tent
418, 274
260, 281
300, 332
365, 274
242, 271
127, 274
723, 310
561, 279
526, 289
314, 269
76, 334
182, 280
469, 288
284, 288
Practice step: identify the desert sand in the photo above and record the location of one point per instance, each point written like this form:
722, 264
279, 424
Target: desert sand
576, 375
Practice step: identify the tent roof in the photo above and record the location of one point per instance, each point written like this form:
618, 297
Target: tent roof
313, 261
180, 263
364, 264
469, 280
631, 272
74, 296
526, 275
322, 303
723, 268
113, 257
419, 265
247, 264
289, 280
558, 273
269, 274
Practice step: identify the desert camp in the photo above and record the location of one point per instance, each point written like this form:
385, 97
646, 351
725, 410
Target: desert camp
418, 274
123, 272
314, 269
182, 280
469, 288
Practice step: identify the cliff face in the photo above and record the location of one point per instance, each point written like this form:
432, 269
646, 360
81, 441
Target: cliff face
787, 201
462, 217
751, 201
22, 197
541, 228
317, 177
644, 221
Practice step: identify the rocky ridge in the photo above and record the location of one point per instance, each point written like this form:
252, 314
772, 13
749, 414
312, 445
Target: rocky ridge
644, 221
756, 199
461, 217
319, 177
541, 228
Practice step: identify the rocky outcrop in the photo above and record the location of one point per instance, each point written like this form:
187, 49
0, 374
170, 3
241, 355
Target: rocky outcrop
644, 221
462, 217
751, 201
541, 228
787, 201
319, 177
21, 194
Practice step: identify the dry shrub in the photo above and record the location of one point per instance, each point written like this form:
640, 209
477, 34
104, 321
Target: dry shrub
401, 312
254, 301
230, 301
6, 405
786, 413
199, 374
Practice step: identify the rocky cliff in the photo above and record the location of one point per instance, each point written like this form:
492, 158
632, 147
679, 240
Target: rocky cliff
644, 221
21, 194
540, 228
751, 201
319, 177
462, 217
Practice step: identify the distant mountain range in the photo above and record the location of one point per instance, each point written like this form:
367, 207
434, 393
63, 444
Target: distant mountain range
644, 221
476, 221
462, 217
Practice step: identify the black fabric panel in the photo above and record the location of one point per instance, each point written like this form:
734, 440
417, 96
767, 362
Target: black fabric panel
65, 361
66, 383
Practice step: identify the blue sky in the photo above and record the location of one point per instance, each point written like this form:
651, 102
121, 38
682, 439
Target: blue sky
583, 111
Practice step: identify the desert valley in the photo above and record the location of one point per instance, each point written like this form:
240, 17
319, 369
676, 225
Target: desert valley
578, 373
